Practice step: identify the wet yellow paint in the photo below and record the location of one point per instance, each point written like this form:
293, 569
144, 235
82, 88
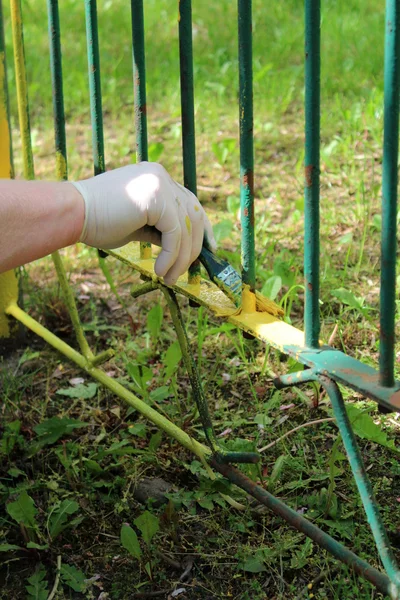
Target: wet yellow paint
248, 300
5, 137
262, 325
146, 251
22, 87
61, 166
188, 224
8, 295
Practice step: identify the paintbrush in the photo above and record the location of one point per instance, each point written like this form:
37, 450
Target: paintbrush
230, 282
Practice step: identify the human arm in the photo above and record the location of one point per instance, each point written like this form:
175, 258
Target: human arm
37, 218
138, 202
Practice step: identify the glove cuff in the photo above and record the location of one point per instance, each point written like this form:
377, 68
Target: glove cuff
82, 191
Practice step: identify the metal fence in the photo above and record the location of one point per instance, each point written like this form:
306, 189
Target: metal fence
325, 365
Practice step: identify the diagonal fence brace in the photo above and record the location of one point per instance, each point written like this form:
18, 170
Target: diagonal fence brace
195, 381
356, 463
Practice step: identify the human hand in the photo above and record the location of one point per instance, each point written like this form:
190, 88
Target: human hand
143, 203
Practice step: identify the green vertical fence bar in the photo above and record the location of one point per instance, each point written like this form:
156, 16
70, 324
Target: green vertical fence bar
187, 108
57, 89
311, 189
246, 141
139, 90
96, 110
389, 193
139, 79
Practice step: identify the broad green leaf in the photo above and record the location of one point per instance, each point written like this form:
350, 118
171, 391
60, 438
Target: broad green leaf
138, 429
14, 426
262, 419
140, 374
155, 441
223, 149
154, 321
51, 430
37, 546
93, 466
253, 565
160, 394
14, 472
81, 391
348, 298
272, 287
37, 589
60, 517
74, 578
10, 437
9, 547
172, 358
148, 524
345, 528
301, 557
364, 426
205, 502
23, 510
130, 541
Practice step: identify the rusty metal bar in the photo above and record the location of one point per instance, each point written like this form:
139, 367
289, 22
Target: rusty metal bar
362, 481
389, 193
139, 92
246, 141
96, 110
311, 166
380, 580
57, 88
187, 109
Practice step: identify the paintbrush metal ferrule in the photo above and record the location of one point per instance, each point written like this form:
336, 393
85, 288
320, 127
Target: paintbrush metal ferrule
232, 281
223, 275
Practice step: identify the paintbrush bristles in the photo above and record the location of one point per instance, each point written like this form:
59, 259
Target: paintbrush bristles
264, 304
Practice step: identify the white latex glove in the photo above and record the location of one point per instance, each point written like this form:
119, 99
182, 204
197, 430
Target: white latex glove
143, 203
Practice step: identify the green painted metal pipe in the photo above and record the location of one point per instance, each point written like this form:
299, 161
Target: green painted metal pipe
312, 168
22, 88
389, 193
197, 388
362, 481
324, 540
246, 141
139, 92
57, 88
296, 378
139, 79
187, 108
96, 111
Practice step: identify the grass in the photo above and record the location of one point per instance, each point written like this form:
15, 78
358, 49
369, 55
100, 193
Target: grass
91, 466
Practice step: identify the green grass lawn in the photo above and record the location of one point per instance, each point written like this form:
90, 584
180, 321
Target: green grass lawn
92, 465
